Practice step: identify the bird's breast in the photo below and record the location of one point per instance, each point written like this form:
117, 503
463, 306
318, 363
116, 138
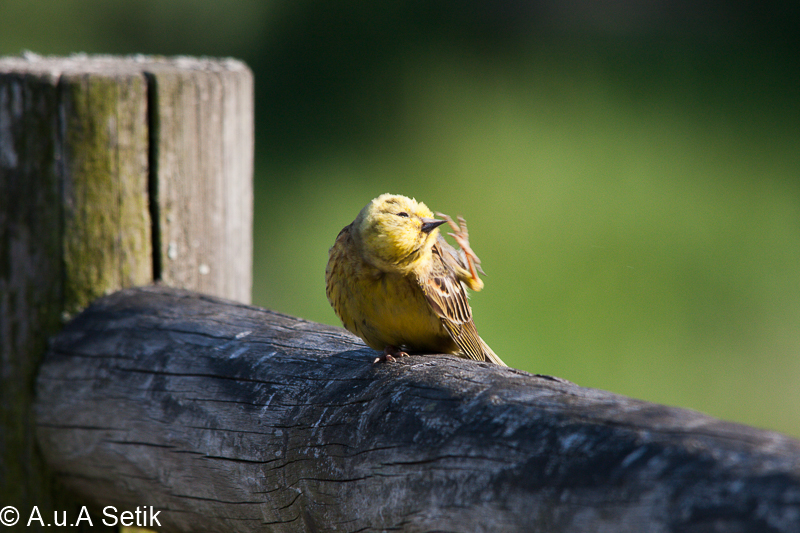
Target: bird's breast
394, 311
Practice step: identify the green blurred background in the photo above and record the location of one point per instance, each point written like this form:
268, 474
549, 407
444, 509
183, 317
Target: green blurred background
630, 173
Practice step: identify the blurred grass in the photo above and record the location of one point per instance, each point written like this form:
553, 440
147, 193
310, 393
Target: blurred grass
633, 192
639, 247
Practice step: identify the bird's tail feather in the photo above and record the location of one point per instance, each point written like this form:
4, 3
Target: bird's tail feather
490, 355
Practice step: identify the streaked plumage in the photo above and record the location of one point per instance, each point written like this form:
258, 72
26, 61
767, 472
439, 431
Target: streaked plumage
395, 282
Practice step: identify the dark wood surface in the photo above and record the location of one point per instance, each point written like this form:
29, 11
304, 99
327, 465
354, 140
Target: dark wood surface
231, 418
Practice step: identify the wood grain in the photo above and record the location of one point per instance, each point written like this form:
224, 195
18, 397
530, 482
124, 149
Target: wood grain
204, 158
231, 418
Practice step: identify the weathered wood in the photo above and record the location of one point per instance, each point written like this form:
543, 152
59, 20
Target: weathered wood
137, 136
77, 139
103, 159
231, 418
204, 157
31, 293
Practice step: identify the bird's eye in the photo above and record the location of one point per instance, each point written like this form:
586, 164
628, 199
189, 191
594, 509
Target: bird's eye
402, 214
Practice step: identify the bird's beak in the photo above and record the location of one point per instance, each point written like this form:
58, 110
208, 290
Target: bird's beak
430, 224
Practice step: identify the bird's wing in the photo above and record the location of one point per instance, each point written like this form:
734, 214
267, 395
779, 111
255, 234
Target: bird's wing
448, 298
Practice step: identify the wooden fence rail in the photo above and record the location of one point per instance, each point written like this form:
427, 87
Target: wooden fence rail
229, 418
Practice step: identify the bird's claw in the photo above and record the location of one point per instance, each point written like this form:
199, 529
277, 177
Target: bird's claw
389, 354
461, 236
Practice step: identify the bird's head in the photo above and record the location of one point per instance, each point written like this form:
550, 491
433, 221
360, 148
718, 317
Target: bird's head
394, 232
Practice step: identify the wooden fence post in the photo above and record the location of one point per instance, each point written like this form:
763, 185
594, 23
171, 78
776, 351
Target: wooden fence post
114, 172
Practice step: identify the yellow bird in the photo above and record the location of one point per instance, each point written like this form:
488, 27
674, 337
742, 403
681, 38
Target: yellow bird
395, 282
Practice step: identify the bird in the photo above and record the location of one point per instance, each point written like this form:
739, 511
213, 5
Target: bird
394, 281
